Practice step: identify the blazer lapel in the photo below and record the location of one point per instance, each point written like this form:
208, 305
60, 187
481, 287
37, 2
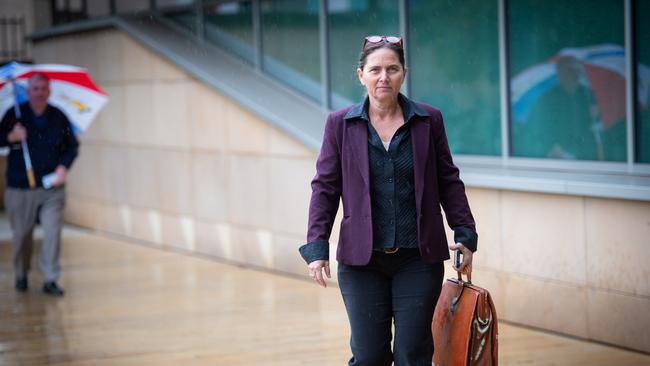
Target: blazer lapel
358, 141
420, 139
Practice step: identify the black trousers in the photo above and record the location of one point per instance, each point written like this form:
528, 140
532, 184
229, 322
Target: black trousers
399, 287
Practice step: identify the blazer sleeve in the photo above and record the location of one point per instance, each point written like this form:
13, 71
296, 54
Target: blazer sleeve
325, 196
452, 190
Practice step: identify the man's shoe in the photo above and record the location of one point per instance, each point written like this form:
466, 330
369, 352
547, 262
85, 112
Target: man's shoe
21, 284
51, 288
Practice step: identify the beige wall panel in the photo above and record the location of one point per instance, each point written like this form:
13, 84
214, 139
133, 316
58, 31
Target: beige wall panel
111, 120
172, 115
164, 70
109, 52
210, 239
246, 133
109, 218
248, 182
93, 133
63, 52
486, 208
208, 118
281, 144
86, 177
543, 236
241, 239
290, 194
259, 249
175, 181
146, 225
210, 186
139, 118
137, 61
43, 51
115, 162
285, 254
144, 181
618, 245
94, 157
178, 231
80, 211
619, 319
545, 304
88, 57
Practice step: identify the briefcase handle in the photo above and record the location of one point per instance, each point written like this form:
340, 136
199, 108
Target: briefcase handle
457, 262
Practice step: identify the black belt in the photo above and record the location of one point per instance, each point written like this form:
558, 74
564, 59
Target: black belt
387, 250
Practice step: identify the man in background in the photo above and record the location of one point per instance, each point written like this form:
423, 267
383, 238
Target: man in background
53, 147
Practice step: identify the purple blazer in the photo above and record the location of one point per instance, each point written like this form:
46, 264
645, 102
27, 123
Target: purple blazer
342, 173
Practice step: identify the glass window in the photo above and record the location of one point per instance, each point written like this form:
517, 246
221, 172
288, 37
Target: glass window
131, 6
455, 67
173, 3
290, 36
349, 22
642, 32
230, 25
567, 69
97, 8
187, 18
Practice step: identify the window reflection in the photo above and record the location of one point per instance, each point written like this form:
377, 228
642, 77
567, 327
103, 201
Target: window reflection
290, 34
568, 84
230, 25
642, 11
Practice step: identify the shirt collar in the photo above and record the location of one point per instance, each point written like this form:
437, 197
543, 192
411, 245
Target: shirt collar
409, 108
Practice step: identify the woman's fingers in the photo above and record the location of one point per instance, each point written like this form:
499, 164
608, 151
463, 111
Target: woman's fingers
316, 271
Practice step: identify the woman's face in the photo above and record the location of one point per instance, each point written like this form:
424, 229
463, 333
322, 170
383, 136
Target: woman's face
382, 75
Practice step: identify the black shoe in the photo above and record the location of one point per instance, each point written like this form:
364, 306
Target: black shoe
21, 284
51, 288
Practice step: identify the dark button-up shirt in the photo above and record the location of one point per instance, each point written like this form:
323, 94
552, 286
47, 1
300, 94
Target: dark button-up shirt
394, 220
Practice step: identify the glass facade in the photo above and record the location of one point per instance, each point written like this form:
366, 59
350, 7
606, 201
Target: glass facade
642, 33
230, 25
455, 66
564, 64
567, 69
349, 22
290, 35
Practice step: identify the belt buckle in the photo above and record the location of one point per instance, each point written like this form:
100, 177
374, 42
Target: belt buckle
391, 250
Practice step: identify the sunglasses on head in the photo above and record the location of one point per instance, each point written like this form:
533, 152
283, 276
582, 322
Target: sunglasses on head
381, 39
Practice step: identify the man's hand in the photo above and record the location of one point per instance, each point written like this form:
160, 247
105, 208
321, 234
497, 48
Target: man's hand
466, 265
17, 133
316, 271
61, 173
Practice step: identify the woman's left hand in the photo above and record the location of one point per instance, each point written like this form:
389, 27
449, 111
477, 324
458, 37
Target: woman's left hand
466, 265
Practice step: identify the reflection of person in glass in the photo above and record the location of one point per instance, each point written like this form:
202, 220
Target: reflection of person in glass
565, 122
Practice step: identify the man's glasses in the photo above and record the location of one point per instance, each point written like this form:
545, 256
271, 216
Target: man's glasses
380, 39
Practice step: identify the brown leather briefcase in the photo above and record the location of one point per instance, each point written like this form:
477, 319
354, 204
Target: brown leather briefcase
464, 326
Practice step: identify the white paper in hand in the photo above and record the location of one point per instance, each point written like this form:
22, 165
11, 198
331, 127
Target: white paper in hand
48, 180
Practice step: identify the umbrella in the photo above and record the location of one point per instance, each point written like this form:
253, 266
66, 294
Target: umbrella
604, 74
71, 90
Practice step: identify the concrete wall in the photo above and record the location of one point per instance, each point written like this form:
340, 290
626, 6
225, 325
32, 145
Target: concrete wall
176, 164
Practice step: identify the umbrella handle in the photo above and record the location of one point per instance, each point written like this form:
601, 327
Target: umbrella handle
31, 178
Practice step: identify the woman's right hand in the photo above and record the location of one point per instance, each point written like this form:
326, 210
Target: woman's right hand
316, 271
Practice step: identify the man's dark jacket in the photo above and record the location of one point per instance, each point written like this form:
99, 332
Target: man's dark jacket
50, 145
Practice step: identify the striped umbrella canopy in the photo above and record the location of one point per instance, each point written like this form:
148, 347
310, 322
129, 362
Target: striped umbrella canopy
71, 90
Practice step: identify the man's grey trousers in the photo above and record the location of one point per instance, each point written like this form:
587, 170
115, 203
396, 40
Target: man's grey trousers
22, 207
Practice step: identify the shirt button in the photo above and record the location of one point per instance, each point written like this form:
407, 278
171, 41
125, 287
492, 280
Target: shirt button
390, 180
